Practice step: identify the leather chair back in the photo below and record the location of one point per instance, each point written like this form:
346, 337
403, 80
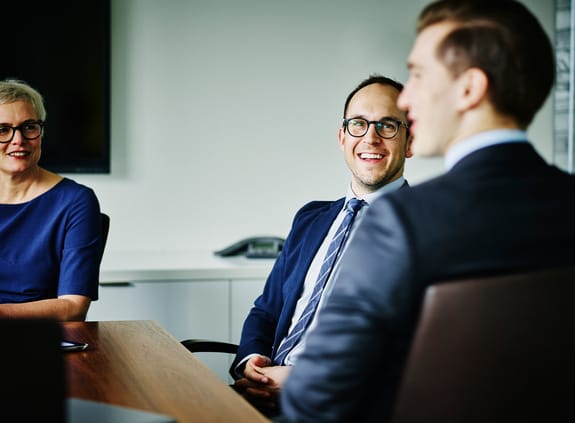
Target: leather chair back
493, 349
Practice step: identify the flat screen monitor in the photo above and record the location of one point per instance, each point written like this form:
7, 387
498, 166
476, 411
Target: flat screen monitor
62, 48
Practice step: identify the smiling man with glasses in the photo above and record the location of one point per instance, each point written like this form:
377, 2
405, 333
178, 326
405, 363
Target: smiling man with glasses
375, 142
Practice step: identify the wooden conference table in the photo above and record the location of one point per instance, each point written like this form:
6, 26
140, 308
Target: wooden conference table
138, 364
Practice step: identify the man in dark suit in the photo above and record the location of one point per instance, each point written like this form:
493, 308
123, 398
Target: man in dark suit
375, 141
479, 72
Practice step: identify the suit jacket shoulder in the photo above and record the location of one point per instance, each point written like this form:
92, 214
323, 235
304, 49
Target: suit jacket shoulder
500, 209
269, 319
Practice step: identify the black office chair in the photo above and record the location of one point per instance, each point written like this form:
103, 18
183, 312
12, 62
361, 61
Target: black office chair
34, 384
104, 230
499, 349
209, 346
105, 222
206, 345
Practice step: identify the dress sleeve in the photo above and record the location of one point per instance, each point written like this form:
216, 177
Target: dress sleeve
81, 256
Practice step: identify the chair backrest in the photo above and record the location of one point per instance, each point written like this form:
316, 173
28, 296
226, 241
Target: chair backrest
105, 222
34, 386
208, 345
493, 349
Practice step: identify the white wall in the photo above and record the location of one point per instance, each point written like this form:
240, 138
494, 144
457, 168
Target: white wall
206, 100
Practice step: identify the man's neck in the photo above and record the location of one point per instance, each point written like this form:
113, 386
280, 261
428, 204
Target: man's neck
372, 194
474, 123
482, 140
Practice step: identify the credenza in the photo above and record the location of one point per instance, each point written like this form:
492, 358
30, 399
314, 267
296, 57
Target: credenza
191, 294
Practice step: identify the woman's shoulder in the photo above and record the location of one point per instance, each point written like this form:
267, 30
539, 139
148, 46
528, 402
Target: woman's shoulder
69, 184
68, 188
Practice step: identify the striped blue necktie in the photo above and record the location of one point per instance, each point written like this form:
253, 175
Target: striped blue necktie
333, 251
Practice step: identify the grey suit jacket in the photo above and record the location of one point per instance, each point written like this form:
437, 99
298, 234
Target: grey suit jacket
500, 209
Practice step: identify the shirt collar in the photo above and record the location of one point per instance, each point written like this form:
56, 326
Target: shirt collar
484, 139
372, 196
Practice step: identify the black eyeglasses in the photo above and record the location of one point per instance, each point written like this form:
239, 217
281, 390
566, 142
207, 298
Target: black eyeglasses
29, 130
386, 128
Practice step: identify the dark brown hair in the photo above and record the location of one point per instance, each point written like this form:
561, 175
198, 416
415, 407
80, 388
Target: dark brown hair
372, 79
503, 39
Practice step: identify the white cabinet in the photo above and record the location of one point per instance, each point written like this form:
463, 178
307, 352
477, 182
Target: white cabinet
242, 293
185, 308
192, 295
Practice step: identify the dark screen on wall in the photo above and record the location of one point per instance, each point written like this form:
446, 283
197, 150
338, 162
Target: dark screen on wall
62, 48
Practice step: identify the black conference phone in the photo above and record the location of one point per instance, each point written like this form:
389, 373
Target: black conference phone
254, 247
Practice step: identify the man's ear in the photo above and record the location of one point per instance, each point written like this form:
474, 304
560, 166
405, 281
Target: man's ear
341, 137
472, 88
408, 151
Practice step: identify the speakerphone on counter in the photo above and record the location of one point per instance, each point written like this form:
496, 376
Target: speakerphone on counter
254, 247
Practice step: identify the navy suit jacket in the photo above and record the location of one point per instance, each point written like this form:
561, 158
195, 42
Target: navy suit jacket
269, 320
500, 209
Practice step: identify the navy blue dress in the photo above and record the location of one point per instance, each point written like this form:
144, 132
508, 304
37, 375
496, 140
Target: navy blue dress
50, 246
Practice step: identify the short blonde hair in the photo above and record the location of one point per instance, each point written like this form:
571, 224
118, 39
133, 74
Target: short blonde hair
12, 90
